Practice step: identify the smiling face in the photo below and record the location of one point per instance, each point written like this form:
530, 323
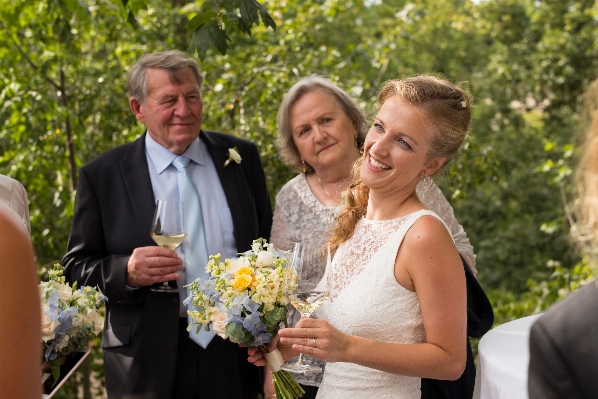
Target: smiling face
323, 133
172, 111
396, 149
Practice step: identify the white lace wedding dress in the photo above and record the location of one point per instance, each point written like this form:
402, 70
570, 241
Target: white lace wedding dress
367, 301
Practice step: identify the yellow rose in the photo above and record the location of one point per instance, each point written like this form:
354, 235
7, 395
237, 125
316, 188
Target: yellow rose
242, 281
244, 270
48, 326
219, 325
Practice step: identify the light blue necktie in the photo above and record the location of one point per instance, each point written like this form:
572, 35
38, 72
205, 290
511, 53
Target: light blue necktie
196, 252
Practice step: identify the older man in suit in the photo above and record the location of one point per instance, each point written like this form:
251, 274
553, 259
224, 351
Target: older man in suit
147, 351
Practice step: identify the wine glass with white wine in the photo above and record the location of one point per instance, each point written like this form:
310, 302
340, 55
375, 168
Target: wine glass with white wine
168, 231
307, 291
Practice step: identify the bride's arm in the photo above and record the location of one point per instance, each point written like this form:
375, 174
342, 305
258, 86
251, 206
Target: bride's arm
427, 263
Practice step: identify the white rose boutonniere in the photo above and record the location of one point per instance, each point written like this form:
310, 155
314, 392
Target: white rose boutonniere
233, 155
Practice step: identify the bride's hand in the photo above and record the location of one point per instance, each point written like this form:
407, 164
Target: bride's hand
330, 344
257, 357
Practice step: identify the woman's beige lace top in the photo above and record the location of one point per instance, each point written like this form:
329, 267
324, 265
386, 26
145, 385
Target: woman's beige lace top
13, 198
300, 217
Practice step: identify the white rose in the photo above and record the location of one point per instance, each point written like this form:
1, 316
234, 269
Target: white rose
98, 321
237, 263
265, 258
219, 324
48, 326
64, 291
234, 155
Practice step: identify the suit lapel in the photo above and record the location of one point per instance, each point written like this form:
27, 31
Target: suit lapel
135, 173
231, 179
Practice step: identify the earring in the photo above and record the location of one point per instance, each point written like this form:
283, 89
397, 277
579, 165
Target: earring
424, 185
303, 163
356, 142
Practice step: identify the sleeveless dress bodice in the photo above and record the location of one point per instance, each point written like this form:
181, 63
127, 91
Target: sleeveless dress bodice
367, 301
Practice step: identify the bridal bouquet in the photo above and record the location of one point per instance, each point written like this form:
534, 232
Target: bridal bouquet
243, 301
70, 317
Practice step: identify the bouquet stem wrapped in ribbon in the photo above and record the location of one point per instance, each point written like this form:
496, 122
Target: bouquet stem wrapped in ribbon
243, 301
285, 385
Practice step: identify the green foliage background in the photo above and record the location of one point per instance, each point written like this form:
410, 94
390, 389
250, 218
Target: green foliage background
527, 64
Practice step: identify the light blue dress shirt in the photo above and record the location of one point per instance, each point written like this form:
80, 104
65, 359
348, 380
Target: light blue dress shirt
218, 222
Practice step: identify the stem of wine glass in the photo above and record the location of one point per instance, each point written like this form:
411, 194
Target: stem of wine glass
301, 360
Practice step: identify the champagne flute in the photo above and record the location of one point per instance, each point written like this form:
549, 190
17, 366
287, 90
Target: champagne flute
168, 231
307, 291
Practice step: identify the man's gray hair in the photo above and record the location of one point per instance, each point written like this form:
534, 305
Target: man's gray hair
174, 62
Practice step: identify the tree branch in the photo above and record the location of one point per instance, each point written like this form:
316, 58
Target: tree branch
33, 65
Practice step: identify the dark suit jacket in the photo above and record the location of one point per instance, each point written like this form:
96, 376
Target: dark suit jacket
480, 317
113, 214
564, 348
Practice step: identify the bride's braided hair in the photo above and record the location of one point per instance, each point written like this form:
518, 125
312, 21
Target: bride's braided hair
445, 106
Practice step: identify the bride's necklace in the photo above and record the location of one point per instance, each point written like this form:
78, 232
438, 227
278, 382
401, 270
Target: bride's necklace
326, 191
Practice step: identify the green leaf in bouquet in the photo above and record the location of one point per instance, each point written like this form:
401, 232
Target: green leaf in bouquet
273, 318
237, 333
55, 367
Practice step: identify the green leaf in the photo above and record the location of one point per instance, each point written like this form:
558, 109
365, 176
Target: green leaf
200, 19
208, 35
131, 19
275, 316
55, 367
249, 15
239, 334
84, 6
137, 5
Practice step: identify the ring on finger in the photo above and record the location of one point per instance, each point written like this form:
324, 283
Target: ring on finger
313, 342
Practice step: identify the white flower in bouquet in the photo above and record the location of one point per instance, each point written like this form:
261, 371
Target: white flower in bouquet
232, 265
70, 317
48, 325
243, 301
65, 292
265, 258
219, 324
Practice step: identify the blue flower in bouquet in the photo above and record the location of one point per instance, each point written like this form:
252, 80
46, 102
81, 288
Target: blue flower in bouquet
254, 324
262, 339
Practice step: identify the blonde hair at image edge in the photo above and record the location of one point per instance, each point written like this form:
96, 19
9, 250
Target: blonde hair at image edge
585, 230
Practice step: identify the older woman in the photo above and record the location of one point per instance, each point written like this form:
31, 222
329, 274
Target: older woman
321, 131
397, 311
